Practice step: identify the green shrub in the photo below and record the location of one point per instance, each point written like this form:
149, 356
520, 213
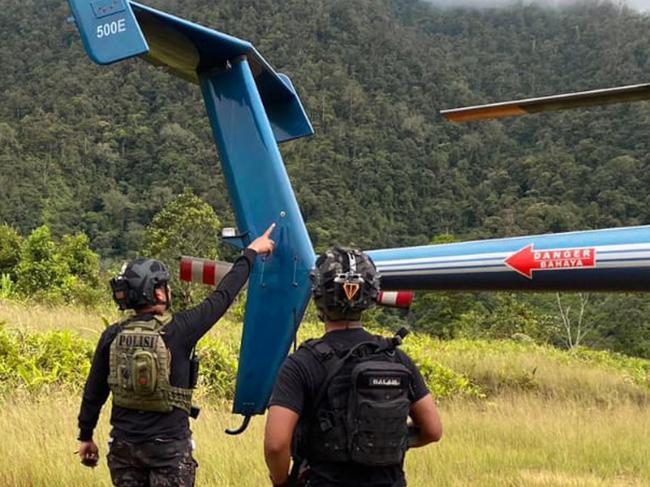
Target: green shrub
473, 369
36, 361
442, 381
8, 350
218, 368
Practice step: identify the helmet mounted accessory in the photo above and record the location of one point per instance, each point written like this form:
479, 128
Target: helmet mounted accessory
135, 286
344, 284
120, 289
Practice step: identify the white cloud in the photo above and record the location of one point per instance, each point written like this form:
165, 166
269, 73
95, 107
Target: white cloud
641, 5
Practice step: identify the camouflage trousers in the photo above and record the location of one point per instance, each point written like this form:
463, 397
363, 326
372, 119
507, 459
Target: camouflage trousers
157, 463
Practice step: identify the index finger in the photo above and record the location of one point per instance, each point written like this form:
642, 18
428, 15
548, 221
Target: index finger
269, 230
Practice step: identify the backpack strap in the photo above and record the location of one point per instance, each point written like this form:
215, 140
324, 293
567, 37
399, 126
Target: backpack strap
164, 319
147, 322
320, 349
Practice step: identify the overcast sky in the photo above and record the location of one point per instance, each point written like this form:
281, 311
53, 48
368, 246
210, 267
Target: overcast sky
642, 5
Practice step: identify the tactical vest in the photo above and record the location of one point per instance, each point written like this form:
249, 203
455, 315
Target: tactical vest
360, 412
140, 367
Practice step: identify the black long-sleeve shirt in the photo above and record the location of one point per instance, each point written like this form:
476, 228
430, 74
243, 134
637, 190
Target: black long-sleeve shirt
181, 336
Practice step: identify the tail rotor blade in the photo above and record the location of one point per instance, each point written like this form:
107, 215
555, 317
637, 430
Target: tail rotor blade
621, 94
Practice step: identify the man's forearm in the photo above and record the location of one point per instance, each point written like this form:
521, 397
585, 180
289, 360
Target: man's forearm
426, 427
278, 463
96, 390
197, 321
416, 438
88, 416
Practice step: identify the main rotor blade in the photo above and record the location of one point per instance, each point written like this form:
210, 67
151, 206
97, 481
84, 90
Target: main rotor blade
607, 96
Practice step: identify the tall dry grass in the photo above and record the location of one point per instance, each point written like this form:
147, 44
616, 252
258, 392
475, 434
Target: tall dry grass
550, 419
41, 317
516, 441
528, 441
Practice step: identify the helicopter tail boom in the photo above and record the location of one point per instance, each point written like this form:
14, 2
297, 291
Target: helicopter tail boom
598, 260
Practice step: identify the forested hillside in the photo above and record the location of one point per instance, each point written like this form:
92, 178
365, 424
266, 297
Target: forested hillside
101, 150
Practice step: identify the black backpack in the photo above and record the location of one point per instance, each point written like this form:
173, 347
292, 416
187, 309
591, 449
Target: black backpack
361, 410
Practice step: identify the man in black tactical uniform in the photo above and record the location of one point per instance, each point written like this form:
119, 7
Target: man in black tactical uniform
147, 361
341, 403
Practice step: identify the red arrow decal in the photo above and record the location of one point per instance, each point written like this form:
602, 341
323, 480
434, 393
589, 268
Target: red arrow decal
527, 260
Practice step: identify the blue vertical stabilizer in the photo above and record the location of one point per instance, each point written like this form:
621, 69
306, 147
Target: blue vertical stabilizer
252, 109
278, 289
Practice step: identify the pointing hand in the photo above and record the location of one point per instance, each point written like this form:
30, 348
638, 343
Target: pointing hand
263, 245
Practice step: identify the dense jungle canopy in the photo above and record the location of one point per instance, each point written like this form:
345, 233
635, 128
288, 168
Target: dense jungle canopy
101, 150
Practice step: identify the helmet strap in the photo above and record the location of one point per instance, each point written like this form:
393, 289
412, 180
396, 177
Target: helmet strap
168, 298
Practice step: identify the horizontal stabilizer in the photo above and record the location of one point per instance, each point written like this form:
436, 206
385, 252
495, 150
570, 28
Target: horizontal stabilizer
210, 273
568, 101
187, 49
114, 30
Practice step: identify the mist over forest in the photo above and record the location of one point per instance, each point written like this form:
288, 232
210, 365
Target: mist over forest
640, 5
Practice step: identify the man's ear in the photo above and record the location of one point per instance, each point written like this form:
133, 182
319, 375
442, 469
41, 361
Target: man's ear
160, 293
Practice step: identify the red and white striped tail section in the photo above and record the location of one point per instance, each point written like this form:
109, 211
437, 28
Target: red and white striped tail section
396, 299
203, 271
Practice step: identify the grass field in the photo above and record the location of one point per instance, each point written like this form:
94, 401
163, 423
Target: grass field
38, 317
544, 418
511, 441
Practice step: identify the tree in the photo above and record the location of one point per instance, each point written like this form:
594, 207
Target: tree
10, 242
505, 316
66, 271
187, 225
40, 269
437, 313
75, 252
575, 325
83, 265
622, 324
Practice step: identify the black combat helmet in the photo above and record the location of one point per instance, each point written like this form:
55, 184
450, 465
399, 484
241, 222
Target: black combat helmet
345, 282
134, 286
